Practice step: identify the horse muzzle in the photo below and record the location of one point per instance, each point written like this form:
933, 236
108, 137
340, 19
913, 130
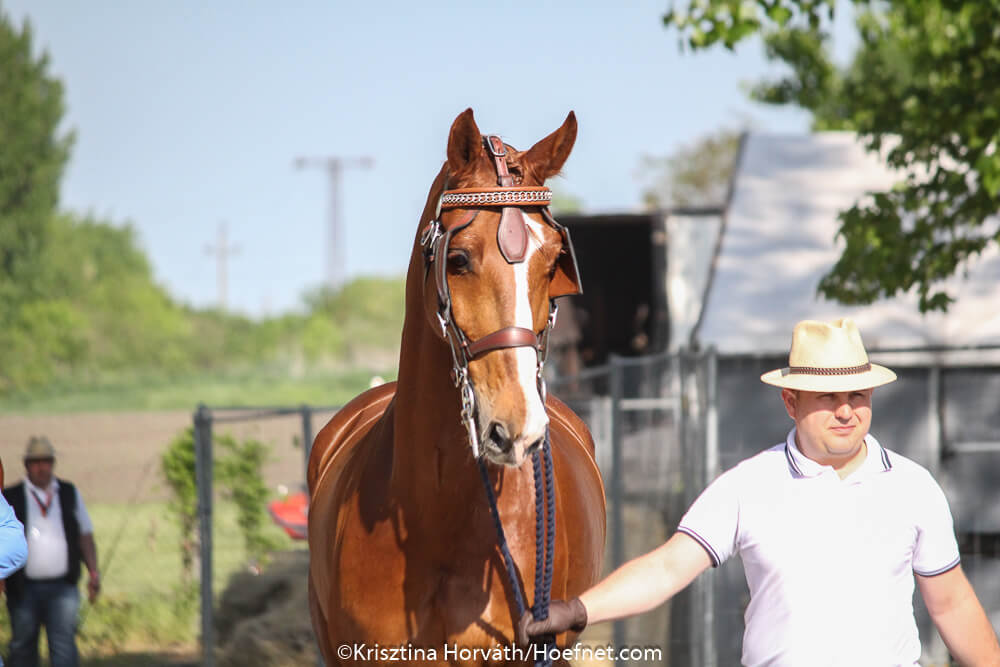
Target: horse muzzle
502, 449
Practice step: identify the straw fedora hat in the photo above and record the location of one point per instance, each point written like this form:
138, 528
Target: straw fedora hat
39, 448
828, 356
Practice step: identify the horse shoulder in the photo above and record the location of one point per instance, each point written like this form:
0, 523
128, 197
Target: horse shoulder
581, 490
346, 427
347, 473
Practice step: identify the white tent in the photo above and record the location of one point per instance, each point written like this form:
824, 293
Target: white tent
779, 238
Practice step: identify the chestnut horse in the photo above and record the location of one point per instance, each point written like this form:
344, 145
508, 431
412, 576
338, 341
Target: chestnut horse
403, 548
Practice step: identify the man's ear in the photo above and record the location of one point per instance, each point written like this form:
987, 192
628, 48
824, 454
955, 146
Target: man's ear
790, 398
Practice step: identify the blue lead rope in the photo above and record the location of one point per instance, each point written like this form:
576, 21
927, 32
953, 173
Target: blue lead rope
544, 554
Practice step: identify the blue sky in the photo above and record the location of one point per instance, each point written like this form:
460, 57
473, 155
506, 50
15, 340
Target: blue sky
189, 114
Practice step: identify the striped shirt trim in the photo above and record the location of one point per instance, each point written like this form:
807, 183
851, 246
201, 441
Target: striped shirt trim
791, 462
942, 570
886, 463
796, 470
714, 557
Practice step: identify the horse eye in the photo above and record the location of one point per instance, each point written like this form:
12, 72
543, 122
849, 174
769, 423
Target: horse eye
458, 260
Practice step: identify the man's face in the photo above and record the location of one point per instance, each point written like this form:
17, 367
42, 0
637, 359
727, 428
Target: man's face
830, 426
40, 471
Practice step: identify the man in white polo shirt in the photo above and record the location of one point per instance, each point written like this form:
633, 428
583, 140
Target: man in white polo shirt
831, 528
59, 535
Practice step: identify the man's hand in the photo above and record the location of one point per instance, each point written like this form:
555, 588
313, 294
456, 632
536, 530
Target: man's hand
563, 616
93, 586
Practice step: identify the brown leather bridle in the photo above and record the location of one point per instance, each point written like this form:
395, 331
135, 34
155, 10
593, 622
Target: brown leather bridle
512, 238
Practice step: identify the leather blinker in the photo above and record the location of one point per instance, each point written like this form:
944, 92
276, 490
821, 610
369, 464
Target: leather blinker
512, 235
566, 279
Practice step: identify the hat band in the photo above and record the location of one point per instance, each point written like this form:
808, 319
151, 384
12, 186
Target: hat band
815, 370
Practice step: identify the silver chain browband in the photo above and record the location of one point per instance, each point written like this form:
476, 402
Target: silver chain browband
500, 196
814, 370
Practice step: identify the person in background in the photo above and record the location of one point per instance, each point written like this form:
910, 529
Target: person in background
59, 536
13, 547
832, 528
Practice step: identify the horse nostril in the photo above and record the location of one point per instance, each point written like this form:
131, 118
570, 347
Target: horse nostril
498, 434
535, 446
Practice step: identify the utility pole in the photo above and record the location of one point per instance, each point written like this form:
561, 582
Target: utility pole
222, 250
334, 167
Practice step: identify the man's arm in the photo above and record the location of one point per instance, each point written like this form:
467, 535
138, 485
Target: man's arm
960, 617
639, 585
13, 547
648, 581
89, 550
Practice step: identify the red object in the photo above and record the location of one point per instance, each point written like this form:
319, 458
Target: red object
291, 513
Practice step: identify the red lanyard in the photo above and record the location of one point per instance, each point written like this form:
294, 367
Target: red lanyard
43, 506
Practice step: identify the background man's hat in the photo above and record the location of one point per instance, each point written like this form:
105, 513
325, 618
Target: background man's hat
828, 356
39, 447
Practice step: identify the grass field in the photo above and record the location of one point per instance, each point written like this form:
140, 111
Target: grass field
146, 614
271, 386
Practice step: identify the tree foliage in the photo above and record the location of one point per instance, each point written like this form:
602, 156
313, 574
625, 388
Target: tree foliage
696, 174
921, 89
350, 322
100, 316
79, 304
32, 156
238, 473
177, 463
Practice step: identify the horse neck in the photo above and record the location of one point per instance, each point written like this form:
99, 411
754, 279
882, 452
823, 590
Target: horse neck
430, 444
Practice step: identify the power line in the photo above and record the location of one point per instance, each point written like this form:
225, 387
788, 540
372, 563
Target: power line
334, 167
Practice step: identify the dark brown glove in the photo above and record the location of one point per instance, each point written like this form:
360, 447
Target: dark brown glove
563, 615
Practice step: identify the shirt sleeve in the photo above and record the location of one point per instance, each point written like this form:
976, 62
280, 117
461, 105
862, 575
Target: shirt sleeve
13, 547
82, 517
936, 551
713, 519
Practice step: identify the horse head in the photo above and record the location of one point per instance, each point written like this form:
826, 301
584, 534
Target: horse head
494, 261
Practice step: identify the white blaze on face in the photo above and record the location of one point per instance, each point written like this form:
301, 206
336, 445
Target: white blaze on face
527, 359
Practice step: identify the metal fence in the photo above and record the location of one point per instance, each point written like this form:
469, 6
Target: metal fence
666, 425
654, 422
205, 418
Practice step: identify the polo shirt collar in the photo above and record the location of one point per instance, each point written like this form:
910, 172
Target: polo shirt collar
52, 488
799, 465
877, 460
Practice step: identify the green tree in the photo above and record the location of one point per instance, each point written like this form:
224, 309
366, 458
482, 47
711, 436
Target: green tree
125, 319
33, 153
922, 88
177, 463
364, 314
697, 174
238, 470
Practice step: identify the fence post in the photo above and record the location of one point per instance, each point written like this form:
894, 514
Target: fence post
711, 471
617, 483
935, 411
307, 437
203, 478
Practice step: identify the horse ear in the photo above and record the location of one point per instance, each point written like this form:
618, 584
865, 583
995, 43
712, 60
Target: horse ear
547, 157
465, 143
